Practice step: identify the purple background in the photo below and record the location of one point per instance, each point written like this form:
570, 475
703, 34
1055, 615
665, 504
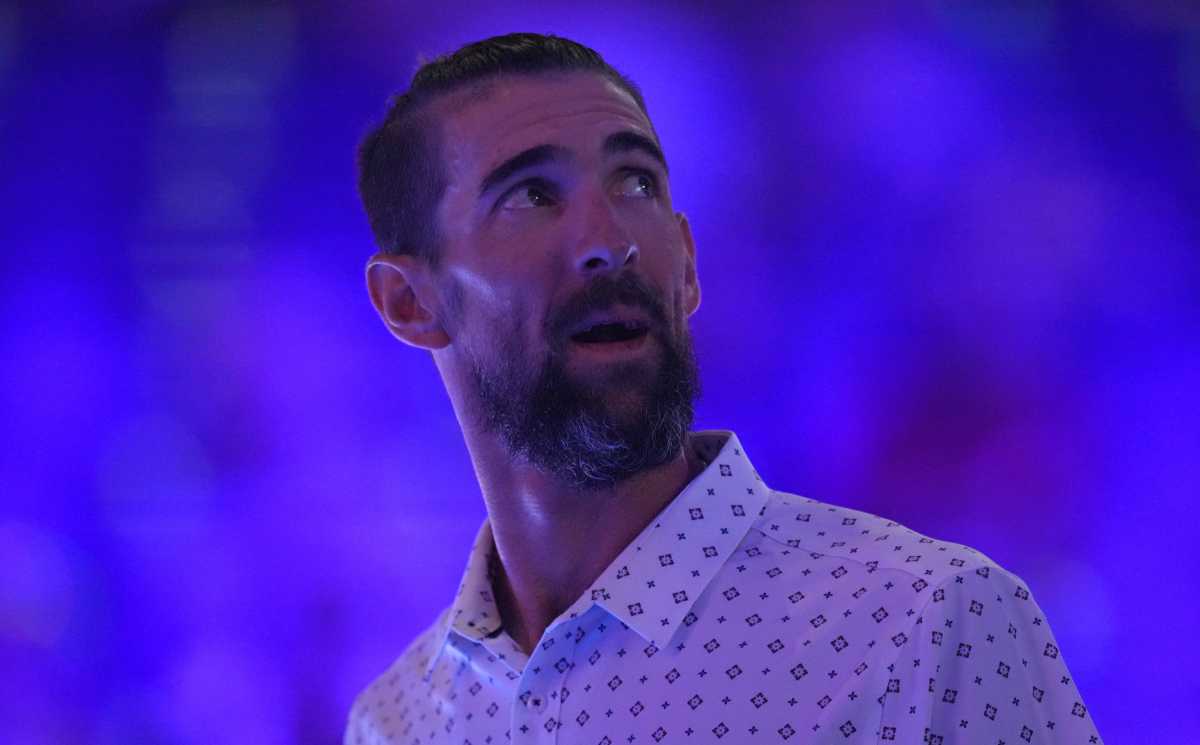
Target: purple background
949, 259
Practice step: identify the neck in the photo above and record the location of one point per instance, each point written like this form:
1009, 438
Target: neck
553, 540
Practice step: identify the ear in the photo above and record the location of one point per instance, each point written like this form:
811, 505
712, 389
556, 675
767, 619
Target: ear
400, 291
691, 283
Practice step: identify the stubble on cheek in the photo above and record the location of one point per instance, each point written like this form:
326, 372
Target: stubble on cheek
504, 361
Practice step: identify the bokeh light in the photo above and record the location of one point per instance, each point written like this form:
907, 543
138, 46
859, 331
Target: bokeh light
948, 254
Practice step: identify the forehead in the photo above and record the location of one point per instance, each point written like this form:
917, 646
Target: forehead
483, 125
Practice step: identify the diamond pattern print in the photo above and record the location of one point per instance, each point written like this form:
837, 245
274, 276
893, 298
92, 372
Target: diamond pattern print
789, 620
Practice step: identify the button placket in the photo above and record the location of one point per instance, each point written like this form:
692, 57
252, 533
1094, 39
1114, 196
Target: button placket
537, 713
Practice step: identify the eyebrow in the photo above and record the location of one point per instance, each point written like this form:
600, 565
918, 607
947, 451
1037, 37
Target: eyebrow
534, 156
630, 141
618, 142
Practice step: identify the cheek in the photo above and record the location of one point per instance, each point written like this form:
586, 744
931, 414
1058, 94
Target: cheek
500, 331
666, 264
479, 286
681, 316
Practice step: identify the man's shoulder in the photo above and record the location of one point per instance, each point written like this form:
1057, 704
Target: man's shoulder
373, 708
875, 542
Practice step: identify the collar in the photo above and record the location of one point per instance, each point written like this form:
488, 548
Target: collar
473, 614
653, 583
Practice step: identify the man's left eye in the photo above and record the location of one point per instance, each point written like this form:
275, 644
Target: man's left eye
639, 185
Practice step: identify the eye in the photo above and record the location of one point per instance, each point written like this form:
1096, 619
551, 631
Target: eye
527, 195
639, 185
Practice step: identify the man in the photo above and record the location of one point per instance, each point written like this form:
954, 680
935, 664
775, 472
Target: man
635, 581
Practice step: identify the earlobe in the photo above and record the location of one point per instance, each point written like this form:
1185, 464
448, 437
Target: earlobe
395, 286
691, 282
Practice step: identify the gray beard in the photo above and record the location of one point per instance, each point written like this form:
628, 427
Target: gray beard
568, 431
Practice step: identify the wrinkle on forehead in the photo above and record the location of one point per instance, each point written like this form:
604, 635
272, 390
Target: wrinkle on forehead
502, 86
512, 107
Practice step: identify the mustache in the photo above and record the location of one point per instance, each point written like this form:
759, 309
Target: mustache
603, 293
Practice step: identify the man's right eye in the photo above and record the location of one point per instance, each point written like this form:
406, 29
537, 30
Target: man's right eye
526, 196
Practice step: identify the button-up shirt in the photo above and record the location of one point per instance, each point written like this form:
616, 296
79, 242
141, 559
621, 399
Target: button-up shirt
741, 614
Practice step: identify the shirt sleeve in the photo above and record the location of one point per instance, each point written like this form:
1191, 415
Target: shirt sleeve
983, 668
362, 727
355, 733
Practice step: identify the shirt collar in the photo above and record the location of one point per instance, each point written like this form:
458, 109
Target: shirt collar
473, 614
653, 583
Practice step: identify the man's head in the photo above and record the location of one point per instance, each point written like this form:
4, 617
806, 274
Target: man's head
400, 174
519, 196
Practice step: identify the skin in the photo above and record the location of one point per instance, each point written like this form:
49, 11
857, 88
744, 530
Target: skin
514, 257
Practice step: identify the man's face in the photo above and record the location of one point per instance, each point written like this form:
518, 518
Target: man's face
566, 277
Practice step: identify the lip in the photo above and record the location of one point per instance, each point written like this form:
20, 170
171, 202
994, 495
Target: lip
616, 314
611, 350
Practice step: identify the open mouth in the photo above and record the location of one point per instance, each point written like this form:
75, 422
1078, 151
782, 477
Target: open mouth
606, 333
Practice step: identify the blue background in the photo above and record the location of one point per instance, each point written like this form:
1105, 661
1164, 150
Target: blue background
949, 260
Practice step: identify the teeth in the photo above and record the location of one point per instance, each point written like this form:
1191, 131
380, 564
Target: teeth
627, 325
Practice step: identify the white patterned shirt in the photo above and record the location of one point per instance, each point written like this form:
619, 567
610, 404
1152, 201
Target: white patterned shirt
742, 614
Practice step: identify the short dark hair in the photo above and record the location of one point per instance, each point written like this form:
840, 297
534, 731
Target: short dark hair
401, 179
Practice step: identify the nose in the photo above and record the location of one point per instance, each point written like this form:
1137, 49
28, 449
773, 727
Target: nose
603, 257
603, 246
